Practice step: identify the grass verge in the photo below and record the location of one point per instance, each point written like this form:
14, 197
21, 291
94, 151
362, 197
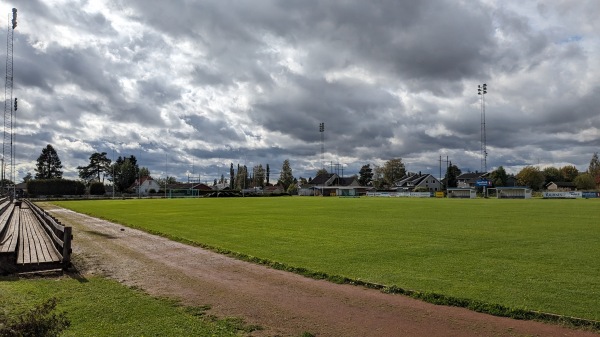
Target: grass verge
100, 307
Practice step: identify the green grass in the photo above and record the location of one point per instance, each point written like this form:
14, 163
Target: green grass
99, 307
541, 255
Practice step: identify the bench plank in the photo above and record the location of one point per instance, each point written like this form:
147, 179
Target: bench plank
37, 247
45, 249
8, 243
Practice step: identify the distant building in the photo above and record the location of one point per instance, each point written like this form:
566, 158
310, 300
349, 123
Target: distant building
560, 186
469, 180
144, 185
418, 181
330, 184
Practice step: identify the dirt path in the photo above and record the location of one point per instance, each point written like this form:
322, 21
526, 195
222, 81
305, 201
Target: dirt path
284, 304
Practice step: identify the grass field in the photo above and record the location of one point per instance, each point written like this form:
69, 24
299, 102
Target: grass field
526, 254
99, 307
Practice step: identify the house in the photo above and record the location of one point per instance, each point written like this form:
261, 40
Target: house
187, 189
469, 180
560, 186
330, 184
270, 190
145, 185
417, 181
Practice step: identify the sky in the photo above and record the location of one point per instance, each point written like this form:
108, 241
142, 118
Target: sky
191, 86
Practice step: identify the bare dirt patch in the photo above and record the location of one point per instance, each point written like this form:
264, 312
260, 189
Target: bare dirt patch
284, 304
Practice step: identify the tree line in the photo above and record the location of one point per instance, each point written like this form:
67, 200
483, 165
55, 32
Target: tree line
125, 170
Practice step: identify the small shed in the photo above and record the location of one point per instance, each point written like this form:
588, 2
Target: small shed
516, 192
463, 193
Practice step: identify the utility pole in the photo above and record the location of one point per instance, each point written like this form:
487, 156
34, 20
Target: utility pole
481, 91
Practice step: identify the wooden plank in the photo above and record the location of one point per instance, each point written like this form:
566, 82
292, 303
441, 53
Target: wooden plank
46, 250
5, 216
8, 244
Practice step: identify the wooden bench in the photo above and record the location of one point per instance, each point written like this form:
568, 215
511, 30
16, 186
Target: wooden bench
35, 246
9, 237
60, 236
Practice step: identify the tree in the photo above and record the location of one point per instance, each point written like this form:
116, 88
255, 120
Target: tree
594, 169
365, 175
393, 170
532, 177
27, 177
378, 177
452, 174
241, 178
569, 172
321, 171
125, 173
499, 177
48, 165
553, 174
144, 172
585, 181
268, 174
286, 178
231, 177
258, 173
99, 165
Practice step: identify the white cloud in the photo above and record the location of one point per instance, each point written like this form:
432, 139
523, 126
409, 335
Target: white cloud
210, 83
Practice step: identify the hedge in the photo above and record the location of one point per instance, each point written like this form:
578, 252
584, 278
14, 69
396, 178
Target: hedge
55, 187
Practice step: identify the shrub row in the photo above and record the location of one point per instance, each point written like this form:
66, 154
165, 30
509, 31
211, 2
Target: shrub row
55, 187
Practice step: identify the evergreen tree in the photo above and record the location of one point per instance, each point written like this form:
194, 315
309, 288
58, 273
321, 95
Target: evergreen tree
452, 174
286, 178
365, 175
268, 174
126, 172
27, 177
321, 171
48, 164
231, 177
99, 165
499, 177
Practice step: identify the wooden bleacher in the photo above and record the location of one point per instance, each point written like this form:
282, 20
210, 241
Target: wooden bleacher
31, 240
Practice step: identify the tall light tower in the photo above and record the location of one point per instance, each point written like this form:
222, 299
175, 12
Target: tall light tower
481, 91
7, 145
322, 131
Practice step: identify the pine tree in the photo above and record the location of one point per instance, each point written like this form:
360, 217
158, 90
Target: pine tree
48, 164
99, 165
366, 175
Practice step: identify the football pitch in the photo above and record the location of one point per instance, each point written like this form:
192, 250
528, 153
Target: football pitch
541, 255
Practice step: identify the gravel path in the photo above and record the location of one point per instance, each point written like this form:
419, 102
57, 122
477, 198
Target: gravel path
284, 304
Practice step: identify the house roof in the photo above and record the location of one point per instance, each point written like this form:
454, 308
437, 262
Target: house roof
472, 175
189, 186
322, 179
561, 183
412, 179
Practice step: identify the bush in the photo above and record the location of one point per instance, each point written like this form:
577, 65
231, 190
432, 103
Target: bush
55, 187
40, 321
97, 188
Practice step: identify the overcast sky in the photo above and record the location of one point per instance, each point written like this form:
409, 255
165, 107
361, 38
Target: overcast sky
190, 86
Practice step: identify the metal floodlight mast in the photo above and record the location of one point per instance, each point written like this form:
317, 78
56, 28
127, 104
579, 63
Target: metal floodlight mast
7, 145
481, 91
322, 131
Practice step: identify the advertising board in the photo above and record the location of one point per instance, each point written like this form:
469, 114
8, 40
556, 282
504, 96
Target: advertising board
561, 195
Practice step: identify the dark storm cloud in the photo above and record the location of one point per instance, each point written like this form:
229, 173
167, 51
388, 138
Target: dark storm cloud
388, 78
